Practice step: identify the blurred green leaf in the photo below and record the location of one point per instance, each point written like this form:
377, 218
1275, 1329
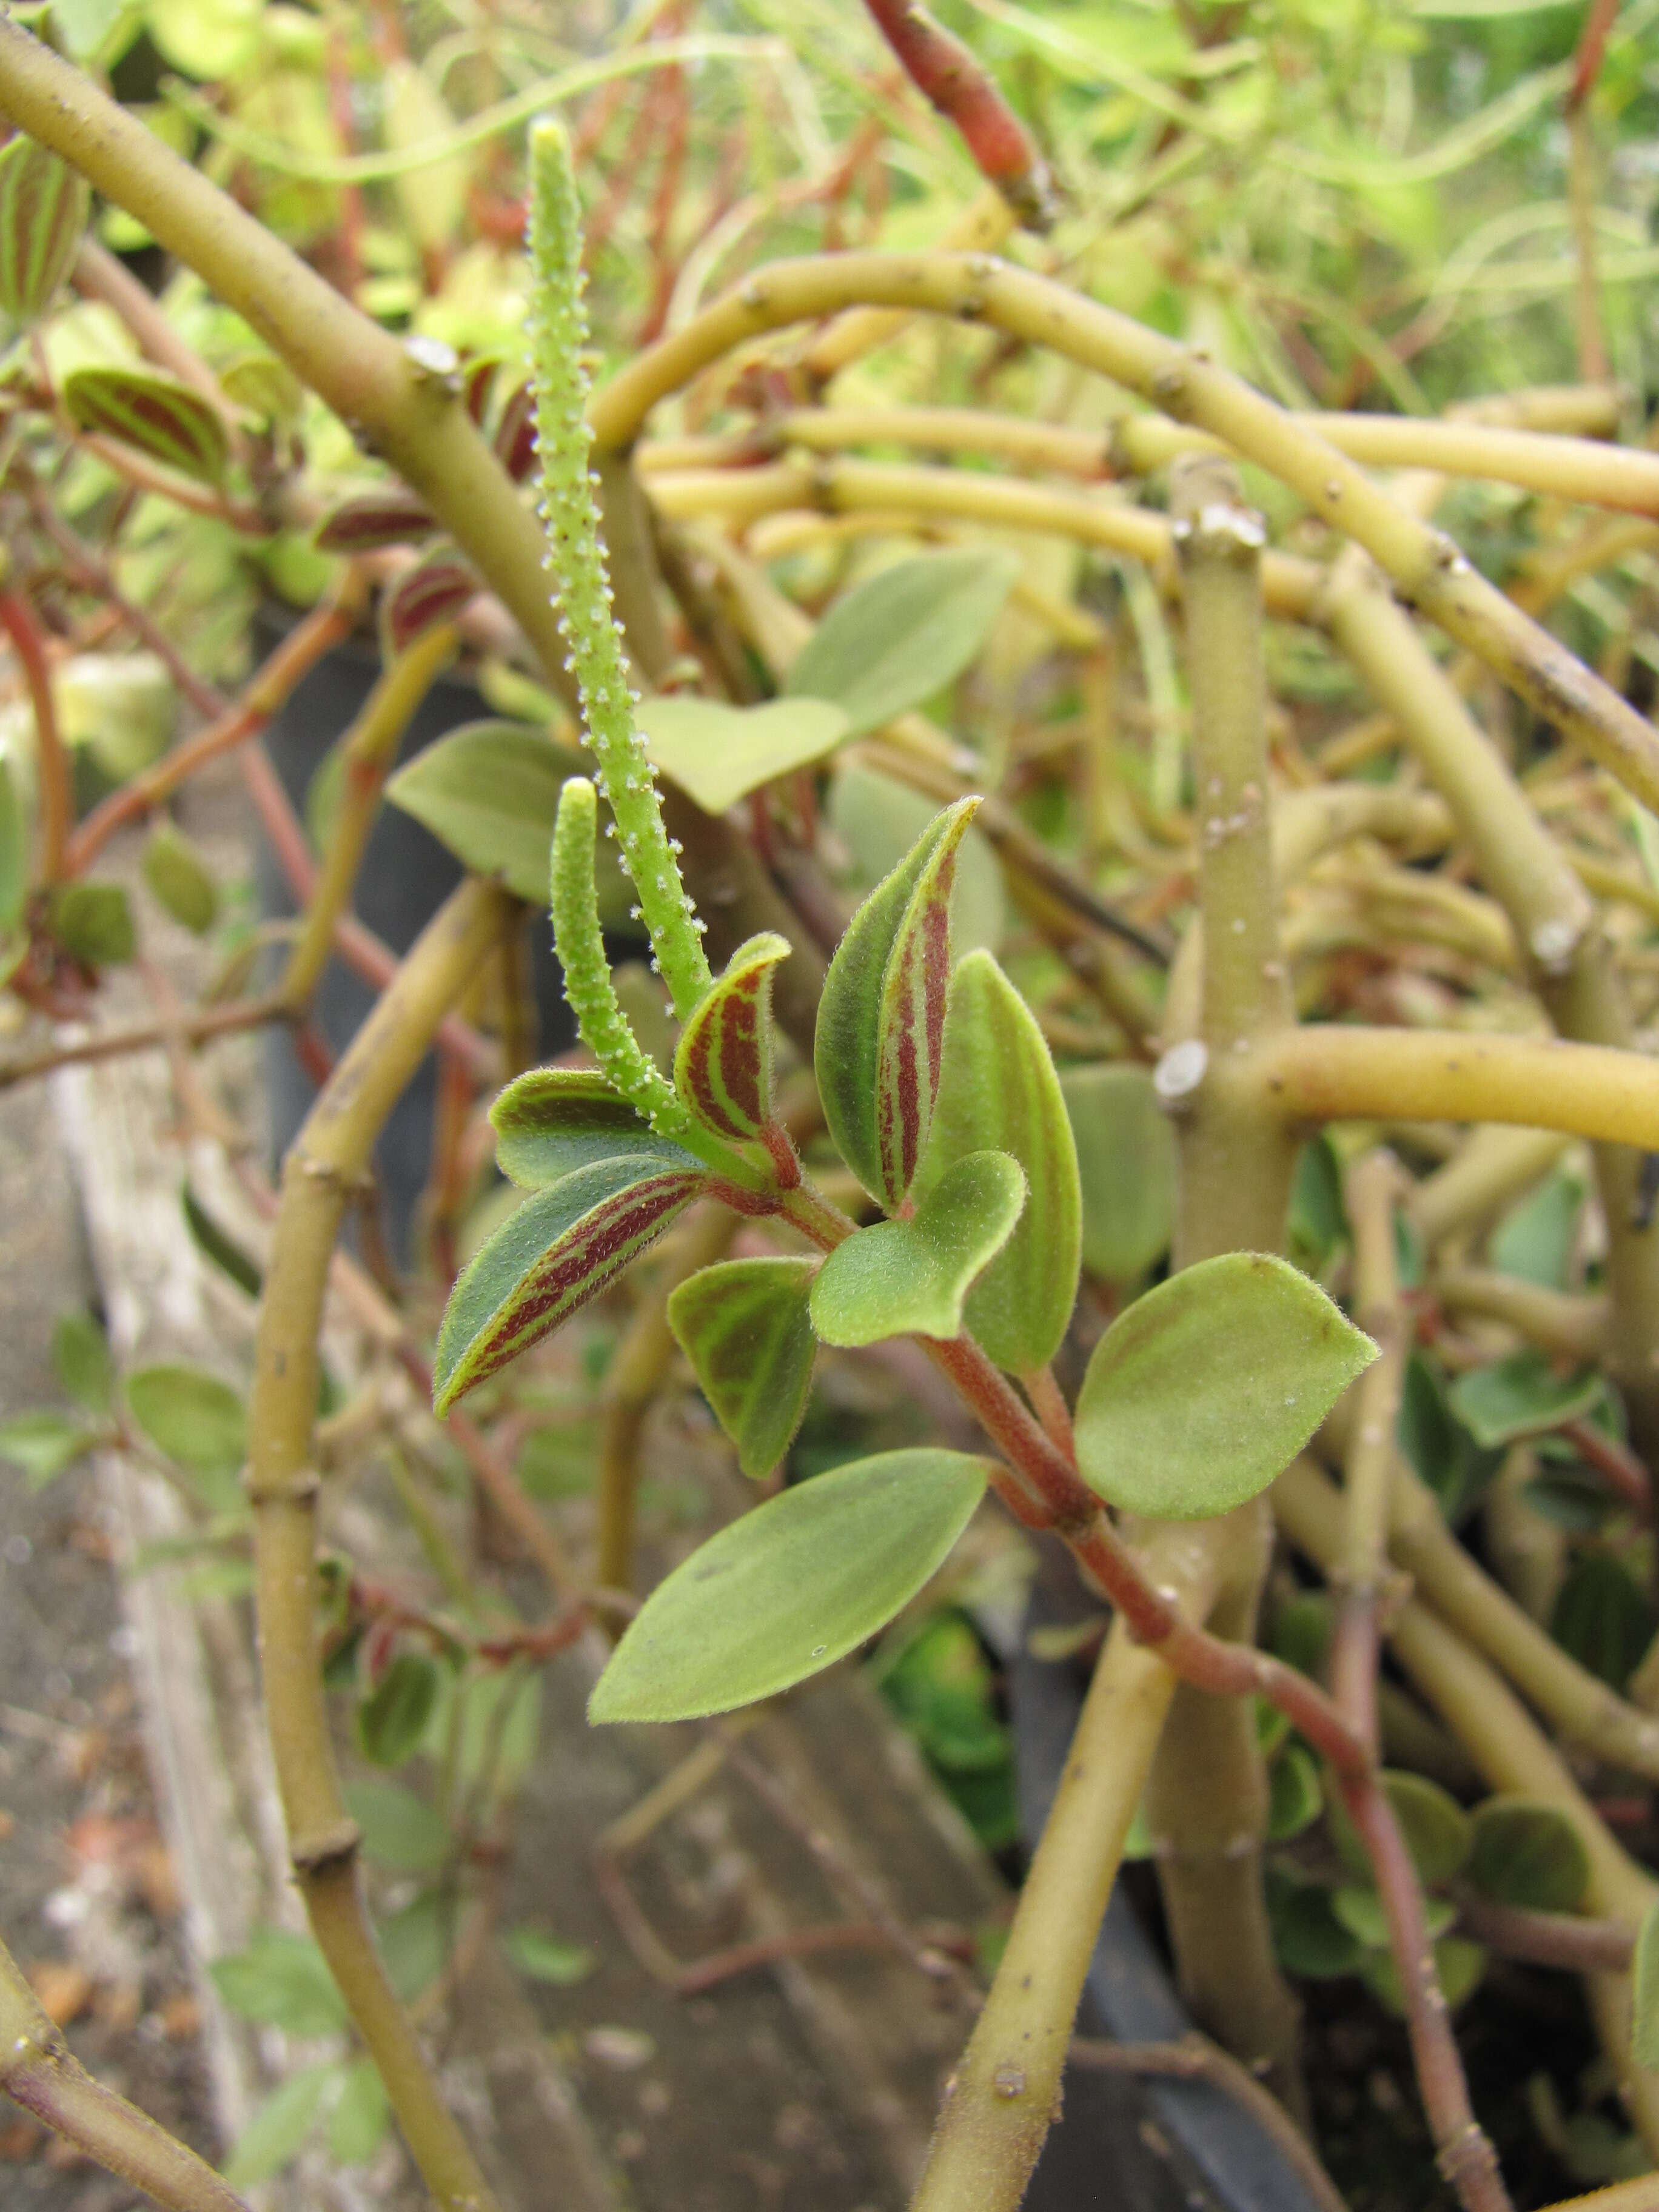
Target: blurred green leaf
1126, 1159
392, 1719
718, 753
281, 2128
903, 634
544, 1958
80, 1355
1528, 1854
282, 1980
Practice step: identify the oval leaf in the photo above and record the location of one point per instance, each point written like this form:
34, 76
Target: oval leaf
281, 2128
881, 1018
1199, 1394
93, 922
896, 1276
281, 1981
42, 212
373, 519
743, 1326
723, 1068
998, 1092
178, 879
1436, 1830
1524, 1395
790, 1588
392, 1718
903, 635
489, 792
1527, 1854
549, 1257
551, 1121
433, 591
1125, 1158
718, 755
156, 415
193, 1420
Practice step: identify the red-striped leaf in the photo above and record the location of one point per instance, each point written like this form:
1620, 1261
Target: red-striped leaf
477, 378
433, 591
881, 1019
515, 432
555, 1120
156, 415
723, 1068
743, 1326
391, 516
558, 1250
42, 212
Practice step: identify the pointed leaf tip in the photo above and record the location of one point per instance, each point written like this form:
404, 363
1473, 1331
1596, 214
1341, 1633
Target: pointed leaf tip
723, 1067
791, 1588
1209, 1385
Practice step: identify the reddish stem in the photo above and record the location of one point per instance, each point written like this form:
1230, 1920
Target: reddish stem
52, 762
948, 76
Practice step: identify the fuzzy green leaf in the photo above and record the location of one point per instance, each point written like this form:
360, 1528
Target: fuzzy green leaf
156, 415
180, 879
489, 792
881, 1018
1644, 1993
555, 1253
878, 819
551, 1121
723, 1067
1524, 1395
998, 1092
743, 1326
1528, 1854
43, 211
1199, 1394
899, 636
790, 1588
718, 755
1126, 1167
94, 922
899, 1277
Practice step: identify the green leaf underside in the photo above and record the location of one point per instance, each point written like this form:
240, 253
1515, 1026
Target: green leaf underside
743, 1326
1524, 1395
903, 634
1644, 1993
998, 1092
552, 1120
723, 1067
1210, 1384
1528, 1854
718, 754
159, 417
553, 1254
1126, 1169
899, 1277
790, 1588
42, 212
881, 1018
489, 793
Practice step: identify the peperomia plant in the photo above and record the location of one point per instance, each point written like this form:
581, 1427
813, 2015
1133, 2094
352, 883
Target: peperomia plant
940, 1095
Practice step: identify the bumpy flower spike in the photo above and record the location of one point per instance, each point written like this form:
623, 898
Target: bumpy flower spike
558, 336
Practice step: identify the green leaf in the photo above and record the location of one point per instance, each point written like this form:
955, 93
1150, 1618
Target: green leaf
544, 1958
392, 1719
279, 2131
80, 1354
559, 1250
899, 636
878, 819
265, 388
790, 1588
1309, 1940
433, 591
156, 415
415, 1943
195, 1420
1644, 1993
881, 1018
552, 1120
281, 1981
1126, 1163
1360, 1910
1459, 1967
998, 1092
13, 847
1535, 1239
1528, 1854
1524, 1395
489, 792
1199, 1394
93, 922
723, 1067
718, 755
400, 1830
362, 2113
44, 204
1437, 1831
43, 1445
743, 1326
178, 879
83, 25
216, 1244
1295, 1798
899, 1277
1602, 1617
1316, 1221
